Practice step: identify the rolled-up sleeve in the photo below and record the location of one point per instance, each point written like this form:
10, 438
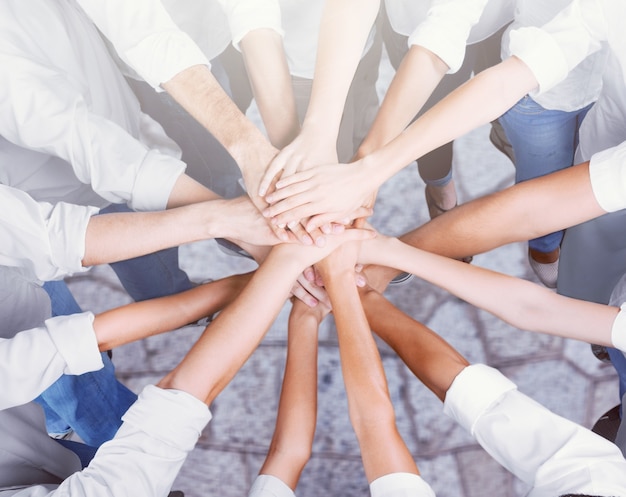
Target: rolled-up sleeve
607, 172
446, 29
46, 239
247, 15
145, 37
102, 154
554, 49
34, 359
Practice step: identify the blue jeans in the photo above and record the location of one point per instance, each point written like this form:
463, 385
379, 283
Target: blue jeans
91, 404
543, 141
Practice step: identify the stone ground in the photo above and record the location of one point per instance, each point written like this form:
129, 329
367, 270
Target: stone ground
559, 373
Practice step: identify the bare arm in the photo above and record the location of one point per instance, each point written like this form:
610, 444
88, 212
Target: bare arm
266, 64
418, 75
521, 303
291, 444
382, 449
146, 232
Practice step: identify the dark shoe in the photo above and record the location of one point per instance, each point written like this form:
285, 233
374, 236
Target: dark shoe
498, 139
608, 424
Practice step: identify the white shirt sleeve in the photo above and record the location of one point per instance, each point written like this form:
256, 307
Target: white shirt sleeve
34, 359
247, 15
544, 450
446, 29
145, 37
46, 239
44, 110
147, 452
618, 331
607, 172
553, 50
400, 485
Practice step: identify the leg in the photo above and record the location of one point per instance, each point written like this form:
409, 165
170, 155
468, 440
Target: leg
543, 141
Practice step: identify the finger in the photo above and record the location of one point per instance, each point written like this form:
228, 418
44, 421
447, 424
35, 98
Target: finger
300, 293
315, 291
288, 191
309, 274
300, 233
271, 175
294, 178
286, 214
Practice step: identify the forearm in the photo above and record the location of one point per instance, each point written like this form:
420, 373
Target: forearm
201, 95
151, 317
236, 332
418, 75
343, 33
427, 355
520, 303
295, 423
515, 214
482, 99
268, 72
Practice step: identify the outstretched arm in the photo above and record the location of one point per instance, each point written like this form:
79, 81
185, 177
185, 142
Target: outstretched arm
291, 444
382, 449
520, 303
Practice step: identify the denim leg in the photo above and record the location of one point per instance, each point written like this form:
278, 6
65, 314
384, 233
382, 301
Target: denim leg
92, 404
152, 275
543, 141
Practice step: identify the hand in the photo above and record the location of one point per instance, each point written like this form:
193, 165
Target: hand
305, 256
309, 292
343, 259
304, 152
328, 193
244, 223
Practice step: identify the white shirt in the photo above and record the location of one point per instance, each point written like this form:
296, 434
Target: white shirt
445, 27
550, 453
583, 83
551, 52
70, 124
47, 241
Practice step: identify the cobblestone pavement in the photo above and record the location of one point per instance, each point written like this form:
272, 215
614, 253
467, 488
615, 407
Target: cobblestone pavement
561, 374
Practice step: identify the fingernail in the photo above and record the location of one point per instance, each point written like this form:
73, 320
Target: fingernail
307, 240
320, 241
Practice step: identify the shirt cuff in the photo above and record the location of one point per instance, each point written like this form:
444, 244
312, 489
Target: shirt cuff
75, 339
244, 20
473, 392
155, 181
400, 484
618, 331
67, 228
270, 486
607, 172
542, 54
172, 416
159, 58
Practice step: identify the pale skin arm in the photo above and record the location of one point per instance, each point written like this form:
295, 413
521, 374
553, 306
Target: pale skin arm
236, 332
292, 441
147, 232
521, 303
418, 75
268, 72
343, 32
382, 449
315, 192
